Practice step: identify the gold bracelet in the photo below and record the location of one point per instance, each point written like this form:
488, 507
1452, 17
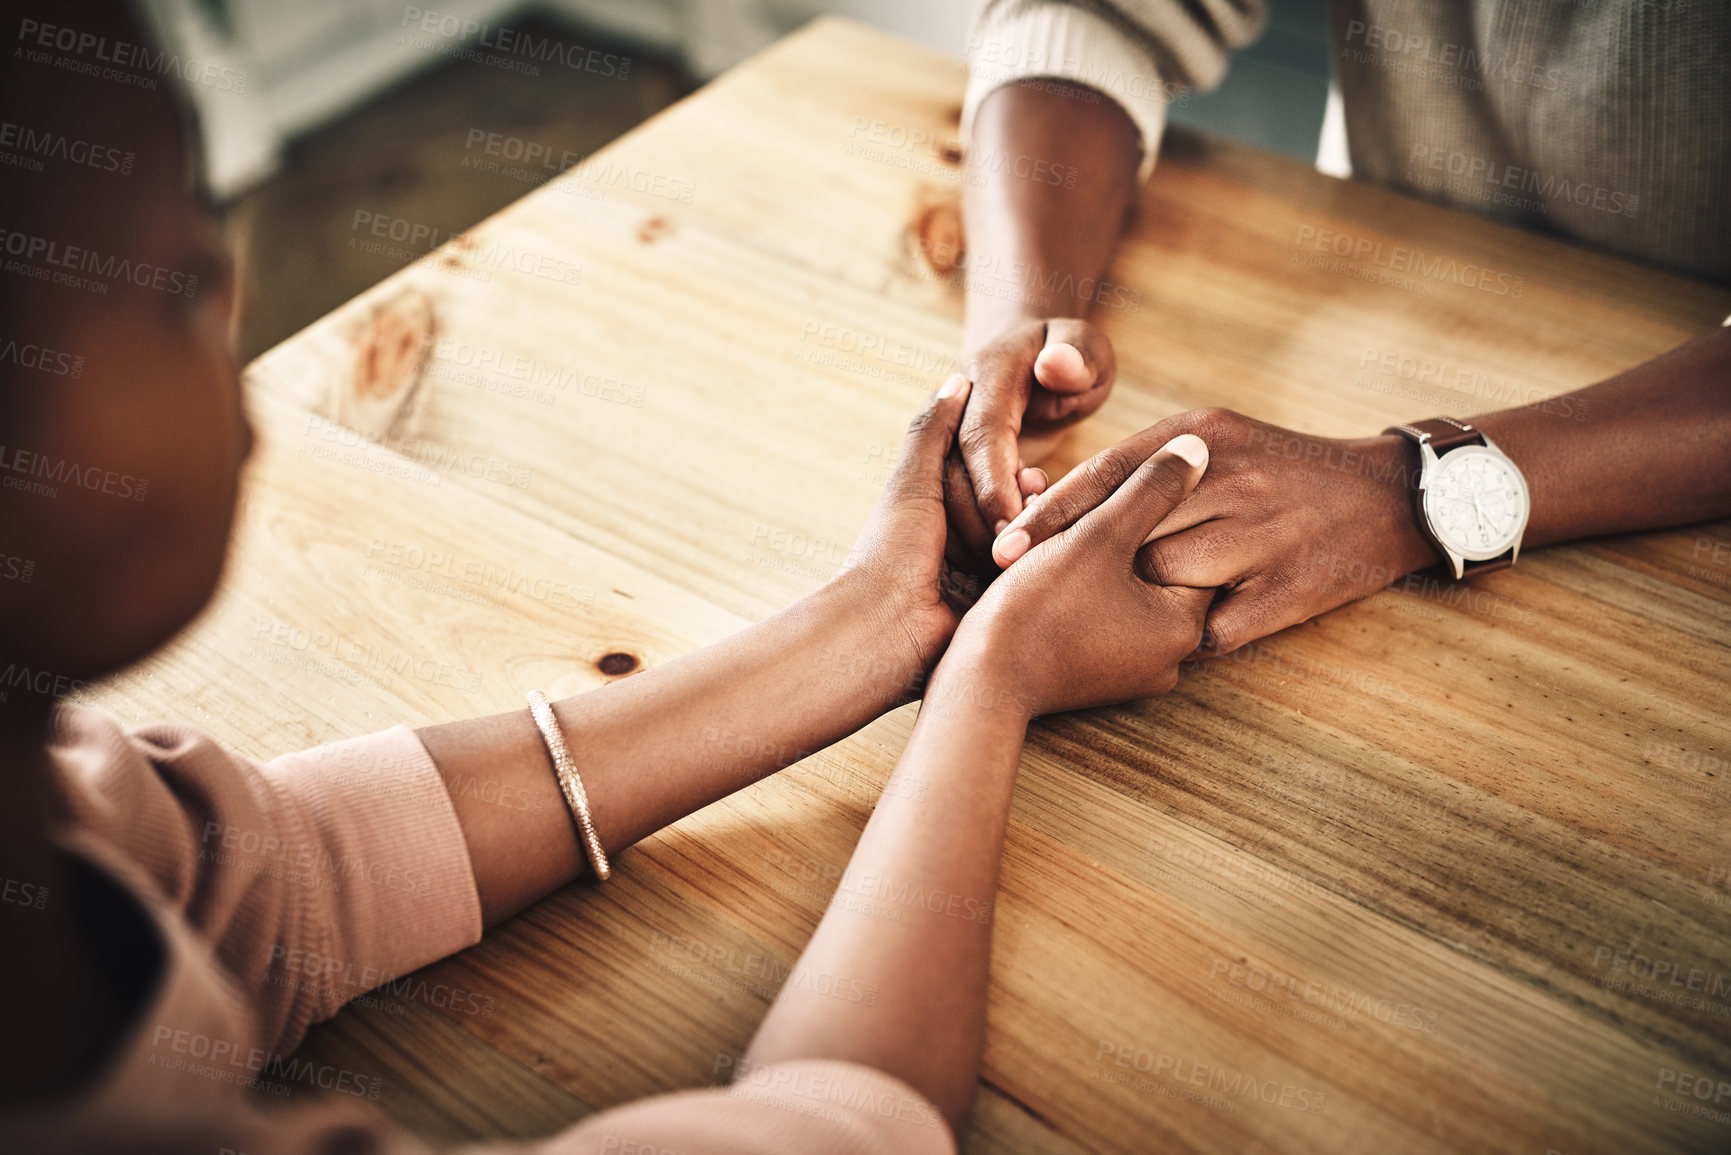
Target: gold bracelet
569, 783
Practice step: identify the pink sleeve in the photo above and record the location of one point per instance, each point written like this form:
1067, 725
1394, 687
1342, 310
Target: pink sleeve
812, 1105
815, 1107
311, 879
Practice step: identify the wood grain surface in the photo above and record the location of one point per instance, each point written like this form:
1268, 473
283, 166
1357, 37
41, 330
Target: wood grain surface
1446, 870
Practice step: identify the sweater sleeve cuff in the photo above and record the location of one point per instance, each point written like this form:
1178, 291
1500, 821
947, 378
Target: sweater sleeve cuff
380, 805
1057, 41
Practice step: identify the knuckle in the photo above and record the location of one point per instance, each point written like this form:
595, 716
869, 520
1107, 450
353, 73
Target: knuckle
1217, 423
1151, 564
1221, 637
1255, 481
990, 496
924, 422
1106, 471
1210, 417
1055, 512
993, 375
1196, 630
1007, 356
980, 435
1162, 479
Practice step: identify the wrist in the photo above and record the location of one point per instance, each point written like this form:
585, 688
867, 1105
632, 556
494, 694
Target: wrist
862, 631
1397, 515
984, 653
986, 318
970, 685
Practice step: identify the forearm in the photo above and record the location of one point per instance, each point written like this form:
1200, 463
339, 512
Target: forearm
657, 746
1648, 448
1051, 181
911, 920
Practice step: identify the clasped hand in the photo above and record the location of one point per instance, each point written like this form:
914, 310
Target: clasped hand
1077, 622
1135, 561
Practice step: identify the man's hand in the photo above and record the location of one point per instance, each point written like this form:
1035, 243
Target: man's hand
1035, 380
1288, 526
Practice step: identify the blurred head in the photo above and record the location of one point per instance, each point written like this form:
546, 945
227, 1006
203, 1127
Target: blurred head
120, 412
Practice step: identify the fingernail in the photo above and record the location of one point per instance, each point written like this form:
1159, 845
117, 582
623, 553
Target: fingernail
999, 526
954, 385
1065, 354
1190, 447
1012, 546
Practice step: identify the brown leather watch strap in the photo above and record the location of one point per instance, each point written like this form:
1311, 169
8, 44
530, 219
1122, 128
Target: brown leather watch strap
1444, 434
1489, 565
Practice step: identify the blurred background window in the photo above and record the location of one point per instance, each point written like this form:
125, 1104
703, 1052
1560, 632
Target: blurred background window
317, 114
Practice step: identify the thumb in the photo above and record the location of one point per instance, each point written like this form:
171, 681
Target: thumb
1077, 357
1153, 491
930, 435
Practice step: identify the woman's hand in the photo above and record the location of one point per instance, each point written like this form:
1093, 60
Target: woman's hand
1286, 525
897, 571
1078, 621
969, 552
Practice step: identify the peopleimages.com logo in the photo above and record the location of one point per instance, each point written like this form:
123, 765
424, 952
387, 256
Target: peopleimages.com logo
42, 359
25, 147
121, 61
1401, 259
504, 44
19, 469
56, 256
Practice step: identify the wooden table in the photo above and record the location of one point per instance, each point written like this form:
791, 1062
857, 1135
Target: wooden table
1431, 873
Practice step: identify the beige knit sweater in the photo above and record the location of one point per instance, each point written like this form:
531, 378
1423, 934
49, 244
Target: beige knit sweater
254, 900
1607, 122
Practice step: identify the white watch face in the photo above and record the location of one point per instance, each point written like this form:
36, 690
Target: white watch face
1476, 502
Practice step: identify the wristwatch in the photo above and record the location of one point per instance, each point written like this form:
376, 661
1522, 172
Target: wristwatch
1472, 500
